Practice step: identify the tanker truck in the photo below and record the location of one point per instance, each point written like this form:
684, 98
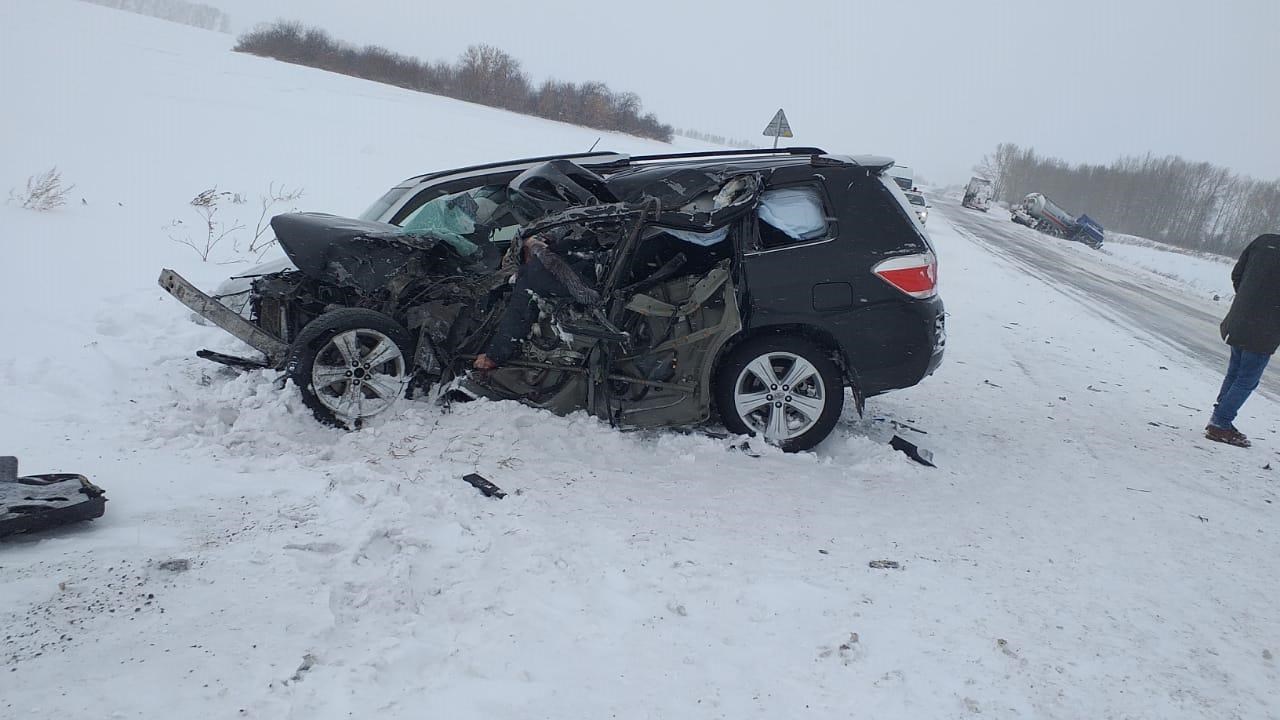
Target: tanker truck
977, 194
1039, 212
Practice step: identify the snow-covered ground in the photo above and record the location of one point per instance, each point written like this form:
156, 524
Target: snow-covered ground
1206, 275
1079, 551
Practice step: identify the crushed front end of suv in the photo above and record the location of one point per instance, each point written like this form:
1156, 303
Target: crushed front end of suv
752, 287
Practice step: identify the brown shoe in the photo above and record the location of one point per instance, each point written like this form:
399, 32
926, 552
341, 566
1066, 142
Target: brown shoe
1230, 436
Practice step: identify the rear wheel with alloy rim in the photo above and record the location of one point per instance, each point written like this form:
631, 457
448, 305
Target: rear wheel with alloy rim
782, 388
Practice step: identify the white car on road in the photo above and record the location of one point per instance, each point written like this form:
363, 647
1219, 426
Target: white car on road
920, 205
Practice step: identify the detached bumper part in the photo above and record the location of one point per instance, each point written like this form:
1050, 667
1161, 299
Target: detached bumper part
241, 363
276, 350
39, 502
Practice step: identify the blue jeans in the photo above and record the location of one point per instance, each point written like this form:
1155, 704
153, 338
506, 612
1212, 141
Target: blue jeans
1244, 372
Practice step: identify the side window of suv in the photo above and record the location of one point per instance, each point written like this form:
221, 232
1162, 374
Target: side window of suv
792, 215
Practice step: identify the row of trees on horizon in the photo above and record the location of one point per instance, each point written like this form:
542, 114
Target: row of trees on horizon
715, 139
1194, 205
179, 11
483, 74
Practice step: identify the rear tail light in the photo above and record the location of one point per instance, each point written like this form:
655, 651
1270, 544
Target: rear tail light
914, 275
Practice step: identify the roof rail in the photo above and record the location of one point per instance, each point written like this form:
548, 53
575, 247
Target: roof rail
612, 157
619, 160
731, 153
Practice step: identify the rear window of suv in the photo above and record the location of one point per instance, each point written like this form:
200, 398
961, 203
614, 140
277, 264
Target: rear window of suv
881, 216
793, 214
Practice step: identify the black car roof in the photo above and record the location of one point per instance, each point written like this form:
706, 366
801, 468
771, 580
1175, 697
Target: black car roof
610, 162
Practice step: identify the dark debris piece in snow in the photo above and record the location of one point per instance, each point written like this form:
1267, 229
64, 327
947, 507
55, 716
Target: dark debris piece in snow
885, 565
913, 451
487, 488
37, 502
903, 426
175, 565
308, 662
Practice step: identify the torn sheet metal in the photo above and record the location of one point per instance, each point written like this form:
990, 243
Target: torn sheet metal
694, 199
604, 217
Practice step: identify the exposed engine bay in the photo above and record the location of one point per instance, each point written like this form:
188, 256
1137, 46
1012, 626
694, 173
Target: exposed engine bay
373, 310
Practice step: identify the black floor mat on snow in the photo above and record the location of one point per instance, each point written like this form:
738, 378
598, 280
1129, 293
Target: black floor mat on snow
38, 502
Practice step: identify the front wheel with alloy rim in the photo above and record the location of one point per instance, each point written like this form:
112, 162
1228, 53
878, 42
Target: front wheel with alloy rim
351, 365
783, 388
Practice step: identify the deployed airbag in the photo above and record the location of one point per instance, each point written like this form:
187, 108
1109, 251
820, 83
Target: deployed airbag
702, 239
798, 212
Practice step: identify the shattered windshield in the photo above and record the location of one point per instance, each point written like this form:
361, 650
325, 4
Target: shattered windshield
461, 219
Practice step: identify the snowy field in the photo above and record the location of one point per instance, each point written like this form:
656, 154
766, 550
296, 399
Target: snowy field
1204, 274
1080, 551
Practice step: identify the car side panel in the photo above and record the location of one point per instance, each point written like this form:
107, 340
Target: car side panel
887, 338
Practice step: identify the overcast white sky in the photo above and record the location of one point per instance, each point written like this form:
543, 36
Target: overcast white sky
934, 83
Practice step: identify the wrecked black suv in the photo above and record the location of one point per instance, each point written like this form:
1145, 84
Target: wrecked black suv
750, 285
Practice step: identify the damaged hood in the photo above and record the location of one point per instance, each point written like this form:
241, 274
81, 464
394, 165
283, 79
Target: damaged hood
359, 254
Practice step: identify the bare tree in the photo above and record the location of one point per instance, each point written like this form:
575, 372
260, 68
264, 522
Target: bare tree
179, 11
490, 76
483, 74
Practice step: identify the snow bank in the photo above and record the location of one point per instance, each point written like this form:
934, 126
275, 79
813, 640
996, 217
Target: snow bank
1206, 275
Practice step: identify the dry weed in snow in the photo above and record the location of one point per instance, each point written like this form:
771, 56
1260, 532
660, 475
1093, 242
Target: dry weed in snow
44, 192
207, 203
215, 228
275, 196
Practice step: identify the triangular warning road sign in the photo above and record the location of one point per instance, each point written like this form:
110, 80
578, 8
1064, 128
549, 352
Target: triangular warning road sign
778, 126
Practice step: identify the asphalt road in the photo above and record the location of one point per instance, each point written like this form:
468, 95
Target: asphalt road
1137, 299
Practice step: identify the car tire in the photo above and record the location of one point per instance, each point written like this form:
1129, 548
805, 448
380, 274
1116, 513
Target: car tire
783, 387
351, 365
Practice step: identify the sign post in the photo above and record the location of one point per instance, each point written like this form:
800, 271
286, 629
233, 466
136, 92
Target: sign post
778, 127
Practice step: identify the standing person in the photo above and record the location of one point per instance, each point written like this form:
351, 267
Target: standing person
1252, 329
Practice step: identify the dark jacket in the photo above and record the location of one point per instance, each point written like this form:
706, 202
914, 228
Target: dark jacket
1253, 323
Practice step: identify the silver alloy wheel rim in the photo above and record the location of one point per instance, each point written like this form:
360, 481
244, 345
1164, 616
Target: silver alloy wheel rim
358, 374
780, 396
